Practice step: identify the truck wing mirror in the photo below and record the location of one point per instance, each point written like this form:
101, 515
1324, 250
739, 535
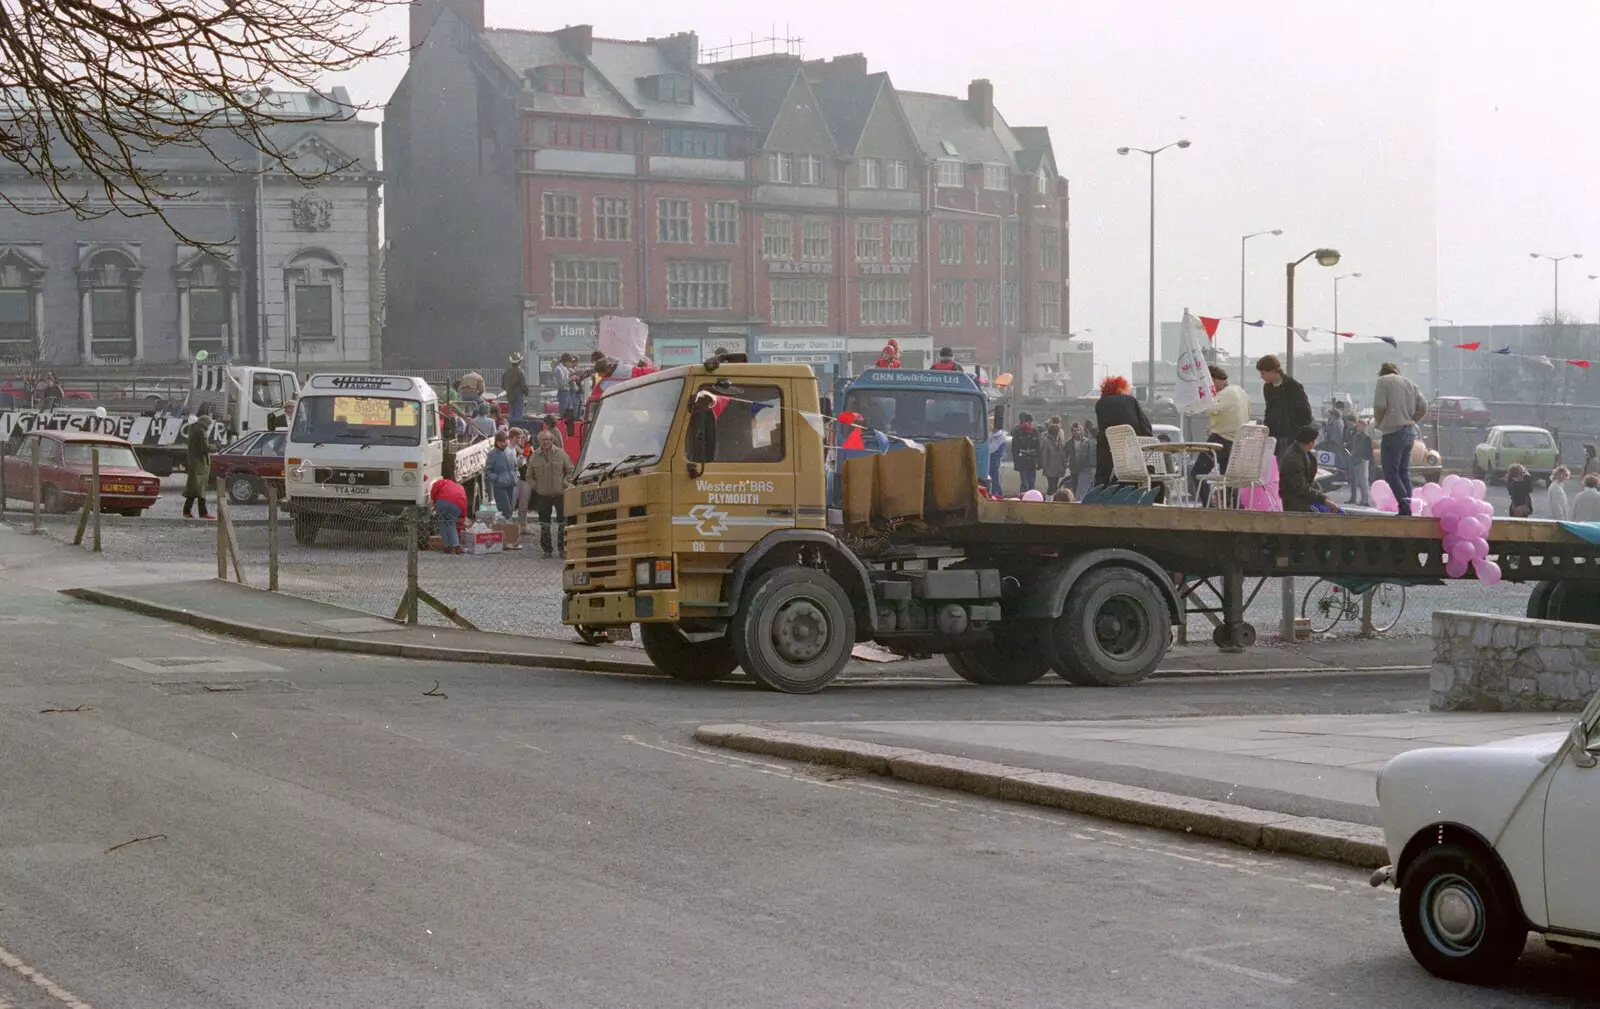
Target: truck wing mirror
701, 440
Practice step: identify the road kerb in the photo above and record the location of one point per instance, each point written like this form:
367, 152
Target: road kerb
1329, 840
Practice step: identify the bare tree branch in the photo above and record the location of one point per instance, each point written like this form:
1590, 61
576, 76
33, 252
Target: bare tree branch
93, 91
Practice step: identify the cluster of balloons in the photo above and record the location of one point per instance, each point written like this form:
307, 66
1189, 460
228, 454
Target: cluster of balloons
1465, 519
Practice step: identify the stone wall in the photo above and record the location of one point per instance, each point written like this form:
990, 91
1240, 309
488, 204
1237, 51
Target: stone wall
1483, 662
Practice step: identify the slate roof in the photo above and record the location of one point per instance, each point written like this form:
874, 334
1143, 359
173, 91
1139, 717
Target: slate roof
847, 104
759, 89
940, 119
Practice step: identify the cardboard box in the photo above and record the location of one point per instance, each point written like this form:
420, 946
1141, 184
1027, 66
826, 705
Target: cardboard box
485, 543
435, 543
512, 534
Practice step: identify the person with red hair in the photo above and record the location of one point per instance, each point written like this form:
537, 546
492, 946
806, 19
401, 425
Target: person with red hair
1116, 406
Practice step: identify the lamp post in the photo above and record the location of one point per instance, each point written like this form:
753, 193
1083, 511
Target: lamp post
1243, 361
1336, 337
1461, 371
1325, 257
1150, 365
1555, 300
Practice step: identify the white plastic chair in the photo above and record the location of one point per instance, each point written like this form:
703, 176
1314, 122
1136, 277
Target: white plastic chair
1127, 456
1247, 465
1167, 471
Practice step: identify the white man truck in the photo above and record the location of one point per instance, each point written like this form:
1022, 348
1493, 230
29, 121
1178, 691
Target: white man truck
361, 451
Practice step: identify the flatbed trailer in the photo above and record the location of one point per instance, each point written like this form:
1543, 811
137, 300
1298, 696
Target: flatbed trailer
727, 557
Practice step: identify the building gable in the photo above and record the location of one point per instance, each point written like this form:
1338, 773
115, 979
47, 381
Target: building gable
887, 135
799, 127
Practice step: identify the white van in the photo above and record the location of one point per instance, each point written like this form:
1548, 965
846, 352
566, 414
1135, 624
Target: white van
360, 451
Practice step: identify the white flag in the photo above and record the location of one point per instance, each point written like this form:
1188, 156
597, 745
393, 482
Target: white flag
1303, 333
1194, 392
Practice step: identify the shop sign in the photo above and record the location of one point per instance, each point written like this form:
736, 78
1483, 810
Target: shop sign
801, 345
887, 269
777, 266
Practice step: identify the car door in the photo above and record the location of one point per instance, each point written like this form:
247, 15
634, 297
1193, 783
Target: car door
19, 469
1571, 858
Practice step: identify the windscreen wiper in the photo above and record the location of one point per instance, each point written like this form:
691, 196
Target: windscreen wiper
639, 457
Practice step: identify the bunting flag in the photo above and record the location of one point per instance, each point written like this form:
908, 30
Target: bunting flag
1303, 334
1474, 345
1257, 324
1579, 364
1391, 341
1503, 350
1347, 336
1210, 325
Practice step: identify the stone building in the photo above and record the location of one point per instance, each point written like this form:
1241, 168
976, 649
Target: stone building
114, 295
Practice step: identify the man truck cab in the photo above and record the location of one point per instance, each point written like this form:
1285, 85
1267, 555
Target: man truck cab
885, 409
360, 451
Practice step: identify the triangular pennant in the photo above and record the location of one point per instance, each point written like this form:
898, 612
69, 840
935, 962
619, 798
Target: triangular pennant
1503, 350
816, 420
1391, 341
1257, 324
1579, 364
1347, 336
1210, 325
1474, 345
1303, 334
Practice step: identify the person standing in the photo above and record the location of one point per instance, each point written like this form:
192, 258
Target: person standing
550, 471
1591, 462
947, 360
501, 470
555, 431
1586, 504
449, 505
890, 358
1519, 484
471, 387
1224, 418
1080, 461
1116, 406
1397, 405
1556, 497
1053, 459
197, 462
568, 399
515, 384
1297, 475
1288, 409
1025, 451
1360, 465
997, 449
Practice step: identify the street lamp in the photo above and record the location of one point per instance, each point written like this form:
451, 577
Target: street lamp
1336, 337
1555, 303
1243, 362
1325, 257
1150, 366
1461, 371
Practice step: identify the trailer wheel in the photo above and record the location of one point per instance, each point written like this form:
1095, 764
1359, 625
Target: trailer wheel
1015, 658
1574, 602
305, 530
794, 630
681, 659
1539, 600
1113, 631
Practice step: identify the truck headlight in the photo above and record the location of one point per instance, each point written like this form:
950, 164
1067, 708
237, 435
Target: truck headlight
298, 474
652, 573
408, 477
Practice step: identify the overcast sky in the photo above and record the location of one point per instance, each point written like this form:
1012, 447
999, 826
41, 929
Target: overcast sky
1434, 144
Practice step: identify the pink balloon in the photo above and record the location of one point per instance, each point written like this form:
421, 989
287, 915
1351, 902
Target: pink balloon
1431, 492
1456, 567
1450, 526
1450, 480
1462, 489
1488, 571
1420, 506
1468, 528
1033, 495
1447, 508
1479, 489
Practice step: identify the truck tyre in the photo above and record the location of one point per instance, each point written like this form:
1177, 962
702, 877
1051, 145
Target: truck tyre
305, 530
1539, 600
1573, 602
793, 630
243, 488
1460, 916
1015, 658
681, 659
1113, 631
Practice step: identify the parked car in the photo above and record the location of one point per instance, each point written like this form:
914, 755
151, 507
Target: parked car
1468, 410
20, 393
1491, 842
65, 467
249, 465
1427, 466
1533, 447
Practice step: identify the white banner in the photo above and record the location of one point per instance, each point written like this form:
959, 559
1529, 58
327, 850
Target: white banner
1194, 392
623, 338
133, 428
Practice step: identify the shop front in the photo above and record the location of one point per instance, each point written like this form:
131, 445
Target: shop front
550, 338
673, 345
828, 356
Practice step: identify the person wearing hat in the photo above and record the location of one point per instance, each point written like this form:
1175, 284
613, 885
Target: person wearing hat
947, 360
515, 384
890, 358
1297, 475
568, 400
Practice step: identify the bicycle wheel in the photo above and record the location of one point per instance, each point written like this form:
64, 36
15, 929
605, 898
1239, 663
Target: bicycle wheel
1388, 602
1324, 605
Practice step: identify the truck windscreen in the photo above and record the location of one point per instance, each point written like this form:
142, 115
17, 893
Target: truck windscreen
919, 415
632, 424
358, 420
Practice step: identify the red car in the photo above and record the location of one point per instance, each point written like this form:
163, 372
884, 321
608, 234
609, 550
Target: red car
22, 395
1460, 410
248, 465
64, 472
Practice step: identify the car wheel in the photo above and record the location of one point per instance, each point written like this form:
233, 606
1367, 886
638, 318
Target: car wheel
1477, 471
243, 488
50, 498
1460, 915
131, 513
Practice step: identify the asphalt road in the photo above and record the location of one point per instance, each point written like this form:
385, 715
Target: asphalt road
323, 833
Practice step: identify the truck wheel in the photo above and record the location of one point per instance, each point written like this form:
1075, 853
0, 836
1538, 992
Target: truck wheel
1113, 631
1015, 658
794, 630
1460, 916
243, 489
305, 530
1539, 600
681, 659
1574, 602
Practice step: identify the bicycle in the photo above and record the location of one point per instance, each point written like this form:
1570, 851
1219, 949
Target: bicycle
1327, 603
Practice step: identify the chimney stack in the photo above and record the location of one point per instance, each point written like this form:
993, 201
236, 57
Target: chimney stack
577, 39
425, 12
980, 99
682, 49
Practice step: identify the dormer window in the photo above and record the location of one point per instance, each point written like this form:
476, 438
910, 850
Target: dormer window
675, 88
562, 80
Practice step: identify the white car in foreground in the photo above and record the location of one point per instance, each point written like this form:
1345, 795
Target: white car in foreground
1491, 842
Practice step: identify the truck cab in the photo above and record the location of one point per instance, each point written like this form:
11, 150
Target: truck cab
885, 409
245, 398
360, 451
